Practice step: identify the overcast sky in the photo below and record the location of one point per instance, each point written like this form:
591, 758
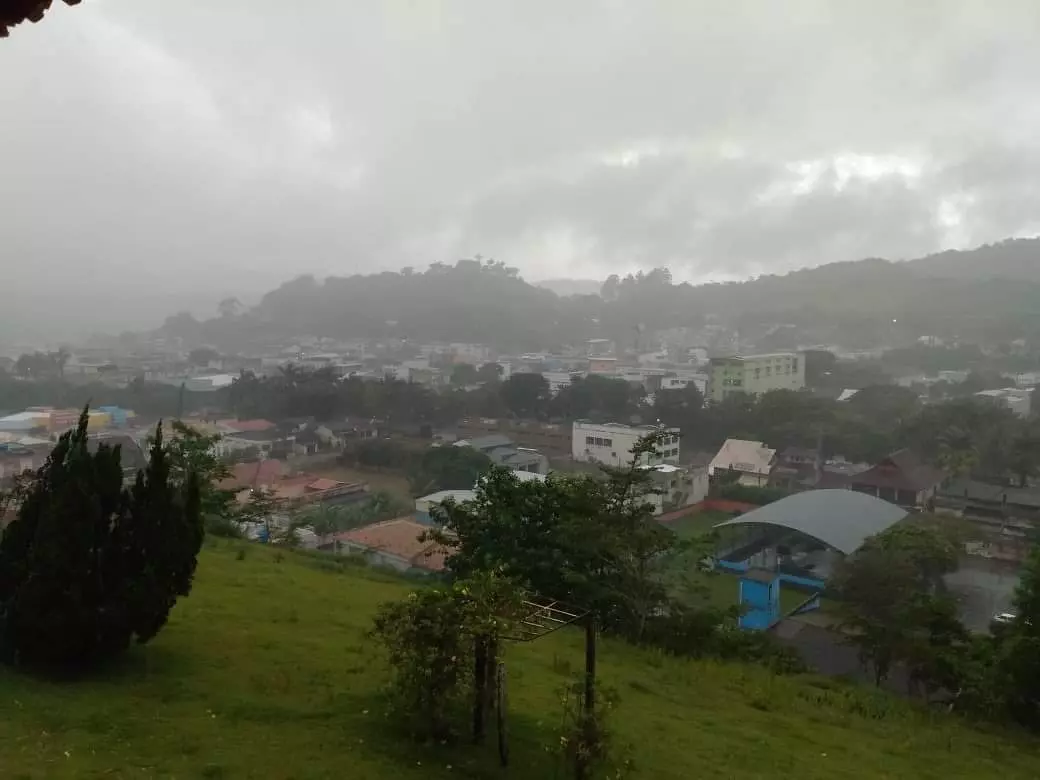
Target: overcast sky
154, 153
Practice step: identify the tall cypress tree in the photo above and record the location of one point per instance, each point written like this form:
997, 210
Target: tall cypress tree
88, 566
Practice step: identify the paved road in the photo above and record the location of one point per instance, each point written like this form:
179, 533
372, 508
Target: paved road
982, 588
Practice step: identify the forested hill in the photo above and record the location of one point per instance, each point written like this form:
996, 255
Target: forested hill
988, 294
1012, 259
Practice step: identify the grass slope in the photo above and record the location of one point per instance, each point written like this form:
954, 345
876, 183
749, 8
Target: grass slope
266, 672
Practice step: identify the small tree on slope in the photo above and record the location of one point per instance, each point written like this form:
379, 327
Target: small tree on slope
88, 566
1021, 653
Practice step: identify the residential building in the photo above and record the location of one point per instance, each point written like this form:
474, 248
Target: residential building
425, 503
612, 443
677, 486
293, 493
559, 379
253, 475
520, 459
1017, 399
503, 453
536, 435
751, 461
16, 457
755, 374
487, 443
901, 479
338, 434
398, 544
797, 468
980, 500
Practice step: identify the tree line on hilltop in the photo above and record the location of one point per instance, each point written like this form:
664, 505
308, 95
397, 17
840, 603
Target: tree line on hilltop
856, 304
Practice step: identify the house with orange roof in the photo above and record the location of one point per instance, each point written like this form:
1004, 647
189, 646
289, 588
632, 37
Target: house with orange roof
397, 544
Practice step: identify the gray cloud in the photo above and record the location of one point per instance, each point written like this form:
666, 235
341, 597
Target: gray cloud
157, 154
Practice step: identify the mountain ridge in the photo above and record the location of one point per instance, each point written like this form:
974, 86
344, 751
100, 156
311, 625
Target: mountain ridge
990, 293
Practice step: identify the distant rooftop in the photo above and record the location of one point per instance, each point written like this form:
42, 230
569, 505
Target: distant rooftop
757, 356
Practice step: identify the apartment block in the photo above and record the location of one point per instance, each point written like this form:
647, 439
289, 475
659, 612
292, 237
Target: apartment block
612, 443
755, 374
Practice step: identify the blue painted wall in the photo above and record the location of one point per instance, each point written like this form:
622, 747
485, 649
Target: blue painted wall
761, 604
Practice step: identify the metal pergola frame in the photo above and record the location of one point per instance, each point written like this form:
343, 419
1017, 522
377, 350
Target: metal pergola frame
543, 618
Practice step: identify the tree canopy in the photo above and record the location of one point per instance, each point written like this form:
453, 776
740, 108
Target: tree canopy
90, 565
14, 12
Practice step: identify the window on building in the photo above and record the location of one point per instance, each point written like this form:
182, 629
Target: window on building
758, 372
794, 364
589, 441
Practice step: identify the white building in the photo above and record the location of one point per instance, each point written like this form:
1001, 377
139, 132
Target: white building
752, 461
560, 379
612, 443
1017, 399
424, 504
676, 487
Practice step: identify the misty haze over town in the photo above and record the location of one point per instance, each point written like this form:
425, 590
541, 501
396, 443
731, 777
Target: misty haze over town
164, 158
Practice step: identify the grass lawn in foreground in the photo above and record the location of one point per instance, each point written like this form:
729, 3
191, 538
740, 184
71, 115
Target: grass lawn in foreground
266, 672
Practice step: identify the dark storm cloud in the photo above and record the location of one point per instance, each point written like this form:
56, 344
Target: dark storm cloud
176, 152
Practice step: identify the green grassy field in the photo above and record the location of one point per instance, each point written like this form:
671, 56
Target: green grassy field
696, 525
266, 672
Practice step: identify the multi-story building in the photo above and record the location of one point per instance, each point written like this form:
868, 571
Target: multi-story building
755, 374
612, 443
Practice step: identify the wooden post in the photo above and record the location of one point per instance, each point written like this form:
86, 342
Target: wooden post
491, 672
500, 708
588, 726
480, 676
590, 667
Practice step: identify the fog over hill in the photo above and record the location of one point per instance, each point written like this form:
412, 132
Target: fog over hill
160, 155
853, 304
565, 287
